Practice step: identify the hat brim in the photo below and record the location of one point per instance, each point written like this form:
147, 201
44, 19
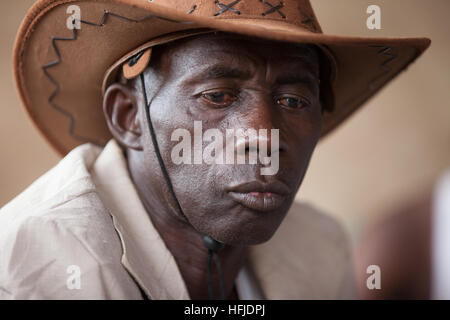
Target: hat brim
59, 72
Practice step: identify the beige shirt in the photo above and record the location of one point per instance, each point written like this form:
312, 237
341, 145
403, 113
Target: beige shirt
81, 232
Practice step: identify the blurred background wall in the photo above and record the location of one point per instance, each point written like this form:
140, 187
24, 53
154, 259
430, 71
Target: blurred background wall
388, 152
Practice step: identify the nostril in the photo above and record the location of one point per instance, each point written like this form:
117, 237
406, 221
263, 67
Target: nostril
255, 144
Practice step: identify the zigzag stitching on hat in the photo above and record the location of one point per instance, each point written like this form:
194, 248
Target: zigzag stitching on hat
59, 59
57, 87
386, 69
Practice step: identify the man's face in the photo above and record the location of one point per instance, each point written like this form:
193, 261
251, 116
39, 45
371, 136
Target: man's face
231, 82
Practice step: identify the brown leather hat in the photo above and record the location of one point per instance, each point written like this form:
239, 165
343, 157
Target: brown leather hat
60, 72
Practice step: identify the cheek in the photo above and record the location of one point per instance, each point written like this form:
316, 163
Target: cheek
193, 183
301, 134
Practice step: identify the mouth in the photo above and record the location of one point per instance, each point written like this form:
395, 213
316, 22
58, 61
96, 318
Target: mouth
260, 196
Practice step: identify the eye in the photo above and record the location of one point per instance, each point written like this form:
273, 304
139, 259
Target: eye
293, 102
219, 98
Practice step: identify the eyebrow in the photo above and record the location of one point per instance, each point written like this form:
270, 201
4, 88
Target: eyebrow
218, 72
226, 72
292, 78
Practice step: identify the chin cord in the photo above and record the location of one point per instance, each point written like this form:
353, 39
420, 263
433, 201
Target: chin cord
211, 244
214, 247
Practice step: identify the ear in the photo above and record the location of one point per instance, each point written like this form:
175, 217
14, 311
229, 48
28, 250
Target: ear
121, 113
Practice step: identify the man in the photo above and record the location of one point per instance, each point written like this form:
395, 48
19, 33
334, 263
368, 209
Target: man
141, 219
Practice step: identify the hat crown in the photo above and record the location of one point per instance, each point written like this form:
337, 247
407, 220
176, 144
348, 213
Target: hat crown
294, 12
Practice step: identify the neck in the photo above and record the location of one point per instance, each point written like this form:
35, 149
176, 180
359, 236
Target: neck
182, 240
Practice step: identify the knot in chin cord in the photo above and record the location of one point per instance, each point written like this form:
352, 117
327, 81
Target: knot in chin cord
211, 244
214, 247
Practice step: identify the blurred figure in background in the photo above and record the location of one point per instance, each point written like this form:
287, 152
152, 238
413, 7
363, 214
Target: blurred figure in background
412, 248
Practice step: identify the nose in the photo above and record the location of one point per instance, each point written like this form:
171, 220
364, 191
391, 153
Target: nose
261, 117
261, 113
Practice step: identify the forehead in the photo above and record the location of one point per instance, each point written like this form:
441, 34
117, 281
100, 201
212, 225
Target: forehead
237, 49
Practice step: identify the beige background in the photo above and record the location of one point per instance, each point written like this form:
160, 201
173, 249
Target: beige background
391, 150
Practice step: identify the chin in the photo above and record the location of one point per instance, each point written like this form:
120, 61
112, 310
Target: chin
252, 240
250, 232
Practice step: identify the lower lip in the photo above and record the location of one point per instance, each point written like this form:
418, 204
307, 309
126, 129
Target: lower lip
259, 201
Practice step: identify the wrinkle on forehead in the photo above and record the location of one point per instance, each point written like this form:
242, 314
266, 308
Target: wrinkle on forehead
235, 47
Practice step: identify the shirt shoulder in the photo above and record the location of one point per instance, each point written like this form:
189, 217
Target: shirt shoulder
68, 178
311, 257
58, 240
316, 228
